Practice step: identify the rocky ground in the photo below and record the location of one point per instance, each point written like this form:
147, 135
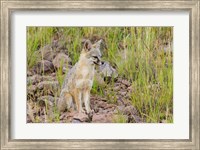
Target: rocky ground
42, 100
43, 90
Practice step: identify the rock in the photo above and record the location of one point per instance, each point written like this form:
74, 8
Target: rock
81, 117
53, 74
120, 108
47, 53
48, 85
43, 66
30, 113
29, 73
164, 121
48, 88
126, 102
122, 86
61, 59
130, 88
110, 106
123, 93
102, 104
129, 110
126, 82
116, 88
137, 119
102, 118
100, 110
68, 116
31, 92
46, 99
107, 70
76, 121
31, 89
63, 116
132, 114
48, 78
33, 79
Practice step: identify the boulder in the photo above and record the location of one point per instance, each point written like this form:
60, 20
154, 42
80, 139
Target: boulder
43, 67
61, 60
107, 70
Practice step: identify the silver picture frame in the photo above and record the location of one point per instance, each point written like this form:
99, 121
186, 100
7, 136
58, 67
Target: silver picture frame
8, 7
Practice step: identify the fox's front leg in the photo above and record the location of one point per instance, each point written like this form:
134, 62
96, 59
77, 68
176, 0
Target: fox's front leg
78, 100
86, 99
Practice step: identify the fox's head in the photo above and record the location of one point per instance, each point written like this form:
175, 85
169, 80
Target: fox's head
92, 52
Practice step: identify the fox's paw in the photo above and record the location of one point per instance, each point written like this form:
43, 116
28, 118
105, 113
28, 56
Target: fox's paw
90, 114
81, 111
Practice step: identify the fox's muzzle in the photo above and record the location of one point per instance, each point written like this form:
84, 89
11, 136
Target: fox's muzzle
98, 62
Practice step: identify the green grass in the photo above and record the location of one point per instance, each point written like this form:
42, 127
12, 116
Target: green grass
136, 52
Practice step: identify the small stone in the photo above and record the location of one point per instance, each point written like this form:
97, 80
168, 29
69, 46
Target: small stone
137, 119
29, 73
76, 121
126, 82
33, 79
117, 88
102, 104
110, 106
81, 117
62, 116
31, 89
121, 108
100, 110
46, 99
130, 88
164, 121
123, 93
48, 78
129, 110
48, 85
122, 86
53, 74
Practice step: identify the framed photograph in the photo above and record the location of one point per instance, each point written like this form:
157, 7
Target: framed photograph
100, 74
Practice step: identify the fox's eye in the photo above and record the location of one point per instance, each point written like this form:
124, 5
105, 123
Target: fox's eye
95, 57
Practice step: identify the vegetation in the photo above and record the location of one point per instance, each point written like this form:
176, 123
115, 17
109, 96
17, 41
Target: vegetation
142, 55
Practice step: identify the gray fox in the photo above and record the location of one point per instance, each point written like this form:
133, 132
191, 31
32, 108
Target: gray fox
79, 80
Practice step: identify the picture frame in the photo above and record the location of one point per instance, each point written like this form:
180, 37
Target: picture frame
8, 7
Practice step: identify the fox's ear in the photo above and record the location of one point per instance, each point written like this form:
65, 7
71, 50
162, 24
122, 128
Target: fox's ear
98, 44
87, 45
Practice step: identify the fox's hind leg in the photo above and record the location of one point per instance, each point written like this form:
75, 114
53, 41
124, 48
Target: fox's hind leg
69, 101
65, 101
